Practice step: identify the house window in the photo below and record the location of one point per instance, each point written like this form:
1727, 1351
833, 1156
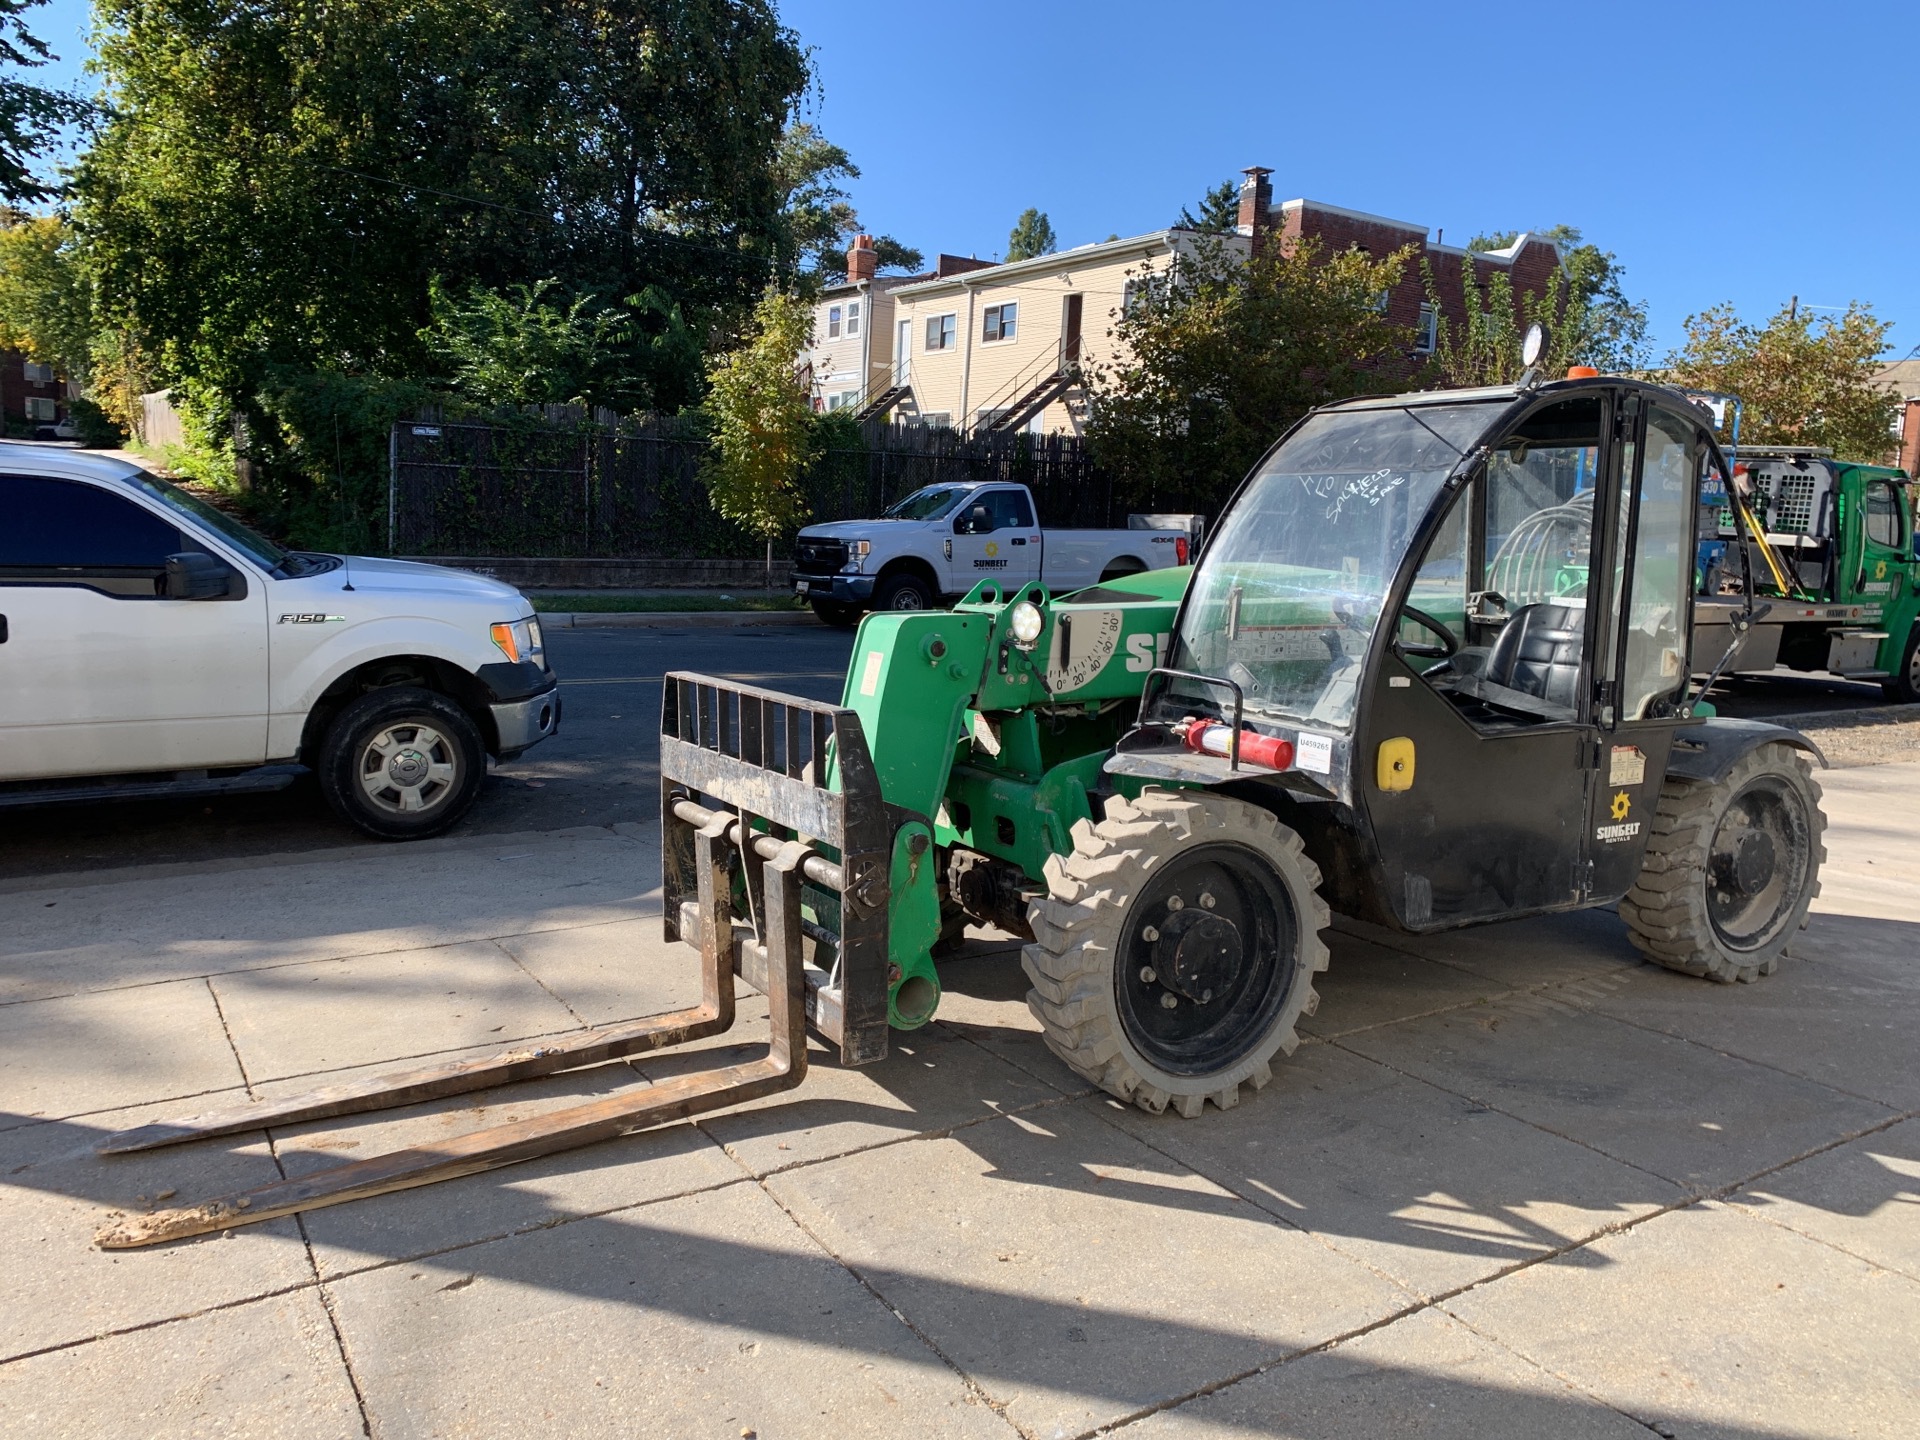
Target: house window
1141, 292
39, 407
833, 322
1426, 335
843, 399
853, 317
1000, 322
940, 332
38, 374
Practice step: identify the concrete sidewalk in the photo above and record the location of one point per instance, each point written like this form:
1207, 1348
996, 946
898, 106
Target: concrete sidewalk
1512, 1183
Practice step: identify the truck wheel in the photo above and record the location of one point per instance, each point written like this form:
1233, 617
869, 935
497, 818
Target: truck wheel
1730, 869
402, 763
1904, 687
903, 592
1176, 949
841, 617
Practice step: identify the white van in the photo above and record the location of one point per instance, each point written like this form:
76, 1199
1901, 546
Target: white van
151, 645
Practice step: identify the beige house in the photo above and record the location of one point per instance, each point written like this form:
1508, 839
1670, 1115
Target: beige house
1003, 348
851, 360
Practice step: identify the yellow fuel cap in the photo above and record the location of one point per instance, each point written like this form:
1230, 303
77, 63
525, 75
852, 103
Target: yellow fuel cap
1393, 766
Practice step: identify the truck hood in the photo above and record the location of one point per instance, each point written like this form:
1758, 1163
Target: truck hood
412, 578
848, 529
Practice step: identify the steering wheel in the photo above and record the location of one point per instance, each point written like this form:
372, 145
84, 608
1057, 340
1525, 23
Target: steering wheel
1449, 642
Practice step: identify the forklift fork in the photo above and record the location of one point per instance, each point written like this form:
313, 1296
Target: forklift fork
702, 756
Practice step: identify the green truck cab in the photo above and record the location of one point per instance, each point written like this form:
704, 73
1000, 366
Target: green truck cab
1832, 558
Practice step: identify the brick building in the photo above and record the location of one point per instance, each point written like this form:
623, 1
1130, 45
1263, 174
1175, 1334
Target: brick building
1529, 261
30, 395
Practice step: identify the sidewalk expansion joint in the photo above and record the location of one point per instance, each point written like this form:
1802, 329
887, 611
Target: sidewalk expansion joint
395, 949
968, 1383
1593, 1008
1440, 1300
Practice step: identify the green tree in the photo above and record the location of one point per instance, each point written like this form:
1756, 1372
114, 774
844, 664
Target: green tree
31, 116
1219, 355
46, 303
1607, 329
818, 211
1801, 380
762, 421
1032, 235
533, 345
1219, 209
278, 186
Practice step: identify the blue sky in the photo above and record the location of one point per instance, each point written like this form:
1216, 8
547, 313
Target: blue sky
1745, 152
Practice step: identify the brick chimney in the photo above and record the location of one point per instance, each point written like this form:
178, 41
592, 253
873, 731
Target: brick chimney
861, 261
1910, 439
1256, 205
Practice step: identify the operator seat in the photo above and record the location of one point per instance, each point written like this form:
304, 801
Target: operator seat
1538, 653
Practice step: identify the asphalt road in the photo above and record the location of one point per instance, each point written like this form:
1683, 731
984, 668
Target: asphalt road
601, 769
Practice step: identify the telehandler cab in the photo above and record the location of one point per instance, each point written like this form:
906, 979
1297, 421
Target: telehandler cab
1431, 670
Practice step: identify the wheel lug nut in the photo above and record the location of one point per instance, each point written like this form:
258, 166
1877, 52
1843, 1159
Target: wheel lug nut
1148, 975
1205, 996
1149, 934
1169, 1000
1206, 901
1174, 902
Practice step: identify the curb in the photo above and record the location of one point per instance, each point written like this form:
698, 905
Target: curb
673, 619
1846, 719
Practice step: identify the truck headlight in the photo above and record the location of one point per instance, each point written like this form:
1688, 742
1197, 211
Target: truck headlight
520, 640
857, 552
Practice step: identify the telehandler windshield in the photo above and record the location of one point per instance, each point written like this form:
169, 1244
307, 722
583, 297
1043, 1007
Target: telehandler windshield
1287, 596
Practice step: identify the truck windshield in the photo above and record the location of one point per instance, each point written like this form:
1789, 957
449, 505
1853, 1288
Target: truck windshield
250, 542
928, 504
1287, 596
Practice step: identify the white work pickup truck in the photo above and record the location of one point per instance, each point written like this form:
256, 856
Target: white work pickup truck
942, 541
151, 645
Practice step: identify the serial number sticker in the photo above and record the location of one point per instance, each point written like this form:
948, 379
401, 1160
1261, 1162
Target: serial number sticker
870, 675
1314, 752
1627, 766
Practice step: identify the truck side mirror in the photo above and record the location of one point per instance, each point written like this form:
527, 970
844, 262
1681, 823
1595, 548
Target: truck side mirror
192, 575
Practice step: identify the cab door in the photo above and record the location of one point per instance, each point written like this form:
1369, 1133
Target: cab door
994, 538
1644, 666
1478, 754
100, 672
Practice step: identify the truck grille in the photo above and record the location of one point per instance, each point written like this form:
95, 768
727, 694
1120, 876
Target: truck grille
820, 557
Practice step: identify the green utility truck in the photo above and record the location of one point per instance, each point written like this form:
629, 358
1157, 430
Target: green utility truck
1831, 549
1432, 669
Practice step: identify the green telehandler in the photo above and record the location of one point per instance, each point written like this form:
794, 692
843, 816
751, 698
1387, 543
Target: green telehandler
1432, 669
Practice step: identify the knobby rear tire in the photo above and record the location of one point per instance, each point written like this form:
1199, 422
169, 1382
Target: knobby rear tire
1668, 911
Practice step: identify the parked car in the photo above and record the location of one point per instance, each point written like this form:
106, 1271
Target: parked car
153, 645
61, 429
941, 541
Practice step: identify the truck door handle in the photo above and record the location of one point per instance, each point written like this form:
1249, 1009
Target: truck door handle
1019, 542
3, 629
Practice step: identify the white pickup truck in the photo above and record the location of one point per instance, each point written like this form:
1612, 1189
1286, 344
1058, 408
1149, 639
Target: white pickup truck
942, 541
151, 645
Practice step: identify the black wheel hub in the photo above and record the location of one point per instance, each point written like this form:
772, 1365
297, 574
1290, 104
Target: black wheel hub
1207, 960
1758, 864
1198, 954
1750, 862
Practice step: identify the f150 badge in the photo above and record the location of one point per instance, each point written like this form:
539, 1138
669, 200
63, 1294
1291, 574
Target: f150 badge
309, 619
